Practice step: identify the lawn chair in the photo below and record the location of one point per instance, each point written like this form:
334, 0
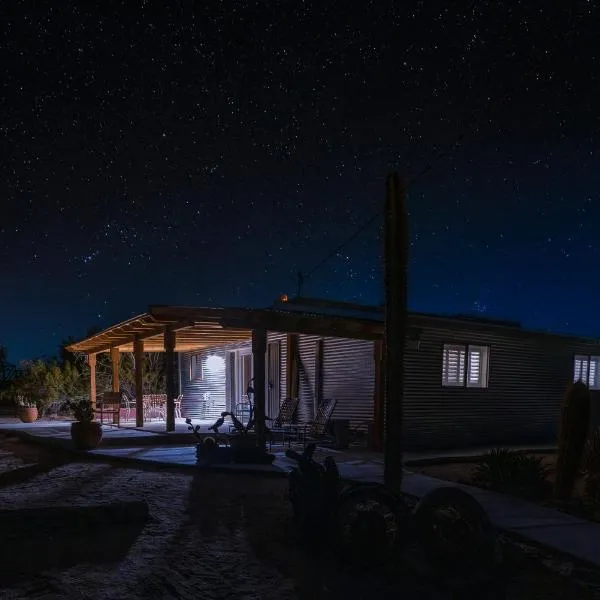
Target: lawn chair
316, 430
284, 421
111, 407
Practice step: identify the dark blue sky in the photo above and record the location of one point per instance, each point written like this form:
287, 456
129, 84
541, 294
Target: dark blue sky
204, 154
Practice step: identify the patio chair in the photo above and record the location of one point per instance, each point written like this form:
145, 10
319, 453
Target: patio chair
284, 421
316, 430
178, 406
111, 406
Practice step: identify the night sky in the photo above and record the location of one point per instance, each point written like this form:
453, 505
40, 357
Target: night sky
204, 153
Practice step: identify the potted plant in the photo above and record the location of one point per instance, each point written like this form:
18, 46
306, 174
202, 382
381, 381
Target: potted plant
86, 433
26, 408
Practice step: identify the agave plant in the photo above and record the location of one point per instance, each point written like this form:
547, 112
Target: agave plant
511, 471
591, 455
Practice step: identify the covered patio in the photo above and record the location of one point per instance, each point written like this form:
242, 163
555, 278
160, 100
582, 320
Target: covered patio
173, 330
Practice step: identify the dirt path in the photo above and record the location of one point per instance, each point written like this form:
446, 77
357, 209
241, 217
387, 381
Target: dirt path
214, 536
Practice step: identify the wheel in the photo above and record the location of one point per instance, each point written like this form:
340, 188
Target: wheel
371, 523
457, 540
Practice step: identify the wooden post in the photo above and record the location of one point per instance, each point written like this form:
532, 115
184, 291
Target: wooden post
171, 369
319, 373
259, 351
92, 365
138, 352
291, 367
395, 267
114, 360
378, 397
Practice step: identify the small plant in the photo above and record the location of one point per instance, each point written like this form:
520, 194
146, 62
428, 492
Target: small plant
25, 401
512, 472
572, 435
82, 410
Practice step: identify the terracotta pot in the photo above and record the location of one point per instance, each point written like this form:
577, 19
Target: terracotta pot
86, 435
28, 414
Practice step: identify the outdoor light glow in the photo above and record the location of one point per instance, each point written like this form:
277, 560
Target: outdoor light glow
214, 363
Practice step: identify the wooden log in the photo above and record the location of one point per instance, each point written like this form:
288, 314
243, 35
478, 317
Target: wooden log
114, 359
378, 397
172, 369
93, 393
395, 270
138, 350
259, 359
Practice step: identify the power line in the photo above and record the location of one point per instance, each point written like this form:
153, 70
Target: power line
412, 180
302, 277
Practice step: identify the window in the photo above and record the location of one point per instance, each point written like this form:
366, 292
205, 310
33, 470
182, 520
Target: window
465, 366
587, 369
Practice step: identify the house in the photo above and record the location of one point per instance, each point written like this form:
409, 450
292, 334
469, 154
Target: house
468, 381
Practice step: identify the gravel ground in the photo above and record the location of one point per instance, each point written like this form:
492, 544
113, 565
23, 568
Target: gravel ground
214, 536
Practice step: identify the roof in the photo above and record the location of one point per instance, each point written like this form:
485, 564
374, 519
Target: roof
197, 328
419, 319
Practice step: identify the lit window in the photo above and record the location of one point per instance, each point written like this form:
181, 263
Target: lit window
587, 370
465, 366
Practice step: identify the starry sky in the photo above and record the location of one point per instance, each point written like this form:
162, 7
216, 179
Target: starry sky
202, 153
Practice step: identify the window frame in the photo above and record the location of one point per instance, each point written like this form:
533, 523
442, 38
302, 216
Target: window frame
589, 358
468, 349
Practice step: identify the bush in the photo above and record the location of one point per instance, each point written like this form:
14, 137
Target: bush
512, 472
590, 463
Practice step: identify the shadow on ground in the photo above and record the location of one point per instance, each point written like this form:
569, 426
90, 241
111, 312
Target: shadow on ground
58, 538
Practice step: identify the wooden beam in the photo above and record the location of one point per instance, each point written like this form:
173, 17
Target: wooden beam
138, 352
395, 266
378, 397
321, 326
172, 376
114, 360
259, 361
188, 339
92, 365
319, 373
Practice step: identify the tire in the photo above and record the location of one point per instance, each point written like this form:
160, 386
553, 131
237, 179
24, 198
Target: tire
371, 523
464, 552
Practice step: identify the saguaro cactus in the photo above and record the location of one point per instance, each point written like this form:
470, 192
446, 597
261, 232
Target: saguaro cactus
573, 430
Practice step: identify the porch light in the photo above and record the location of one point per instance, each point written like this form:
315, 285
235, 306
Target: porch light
214, 363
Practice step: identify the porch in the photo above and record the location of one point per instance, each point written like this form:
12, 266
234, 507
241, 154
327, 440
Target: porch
212, 356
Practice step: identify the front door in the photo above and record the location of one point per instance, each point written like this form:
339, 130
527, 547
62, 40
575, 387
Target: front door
273, 379
244, 372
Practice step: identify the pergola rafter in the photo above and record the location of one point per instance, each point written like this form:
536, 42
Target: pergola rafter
174, 329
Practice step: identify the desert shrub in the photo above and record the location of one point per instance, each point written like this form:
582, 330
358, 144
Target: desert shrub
574, 425
590, 464
512, 472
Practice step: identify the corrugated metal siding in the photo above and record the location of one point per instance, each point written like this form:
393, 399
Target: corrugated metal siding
204, 396
220, 387
528, 376
349, 377
307, 352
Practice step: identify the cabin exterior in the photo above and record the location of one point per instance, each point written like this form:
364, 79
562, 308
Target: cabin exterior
468, 382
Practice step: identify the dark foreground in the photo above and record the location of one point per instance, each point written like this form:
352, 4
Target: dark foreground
216, 536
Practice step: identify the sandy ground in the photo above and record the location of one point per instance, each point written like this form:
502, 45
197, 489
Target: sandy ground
213, 536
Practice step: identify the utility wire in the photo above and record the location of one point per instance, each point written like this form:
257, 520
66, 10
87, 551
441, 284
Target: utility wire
302, 277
